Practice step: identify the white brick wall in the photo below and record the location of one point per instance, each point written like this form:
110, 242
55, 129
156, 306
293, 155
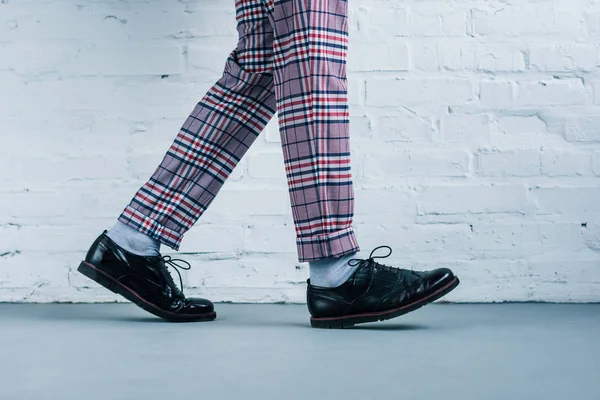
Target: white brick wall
475, 134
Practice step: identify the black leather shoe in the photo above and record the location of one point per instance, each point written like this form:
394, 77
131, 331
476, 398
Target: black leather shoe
144, 281
376, 292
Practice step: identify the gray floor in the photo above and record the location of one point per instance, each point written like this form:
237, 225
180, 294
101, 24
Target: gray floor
115, 351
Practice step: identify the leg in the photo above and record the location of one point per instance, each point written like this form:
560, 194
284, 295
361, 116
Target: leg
211, 142
214, 137
310, 47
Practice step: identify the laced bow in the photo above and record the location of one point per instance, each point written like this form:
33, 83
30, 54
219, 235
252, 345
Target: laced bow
173, 263
356, 261
371, 260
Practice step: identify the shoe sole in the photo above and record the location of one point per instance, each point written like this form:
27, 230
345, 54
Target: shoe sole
117, 287
349, 321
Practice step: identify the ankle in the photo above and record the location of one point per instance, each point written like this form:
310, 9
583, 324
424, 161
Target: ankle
331, 272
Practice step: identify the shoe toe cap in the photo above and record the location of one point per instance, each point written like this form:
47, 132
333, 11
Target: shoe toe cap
439, 277
200, 306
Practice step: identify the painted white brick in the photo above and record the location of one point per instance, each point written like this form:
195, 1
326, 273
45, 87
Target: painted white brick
425, 56
390, 203
567, 200
383, 22
208, 59
552, 93
454, 56
554, 279
596, 163
500, 58
545, 237
406, 128
563, 57
269, 239
356, 91
213, 238
36, 173
521, 126
509, 163
130, 59
497, 94
566, 163
433, 241
390, 92
583, 129
486, 279
378, 57
425, 20
593, 22
418, 163
460, 199
267, 165
465, 129
493, 238
271, 131
536, 19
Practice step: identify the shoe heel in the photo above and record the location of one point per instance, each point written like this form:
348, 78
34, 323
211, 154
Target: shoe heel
87, 270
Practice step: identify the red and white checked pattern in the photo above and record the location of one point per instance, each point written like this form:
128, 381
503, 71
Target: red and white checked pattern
291, 57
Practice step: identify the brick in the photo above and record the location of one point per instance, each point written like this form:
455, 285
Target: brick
566, 163
391, 203
596, 163
497, 93
418, 163
521, 163
439, 239
455, 57
541, 237
271, 131
356, 91
431, 21
42, 173
593, 23
567, 200
267, 165
269, 239
460, 199
383, 22
500, 58
213, 238
557, 279
136, 59
582, 129
208, 59
378, 57
406, 128
495, 238
466, 129
526, 20
387, 92
558, 58
493, 280
551, 93
521, 126
425, 56
22, 271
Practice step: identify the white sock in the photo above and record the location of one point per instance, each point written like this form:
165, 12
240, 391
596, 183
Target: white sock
133, 240
331, 272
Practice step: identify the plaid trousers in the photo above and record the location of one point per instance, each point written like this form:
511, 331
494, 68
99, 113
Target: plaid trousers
291, 57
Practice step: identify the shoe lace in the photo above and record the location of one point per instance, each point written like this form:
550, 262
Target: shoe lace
371, 261
173, 263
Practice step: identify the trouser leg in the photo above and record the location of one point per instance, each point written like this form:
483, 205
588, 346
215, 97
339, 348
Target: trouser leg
214, 137
310, 50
